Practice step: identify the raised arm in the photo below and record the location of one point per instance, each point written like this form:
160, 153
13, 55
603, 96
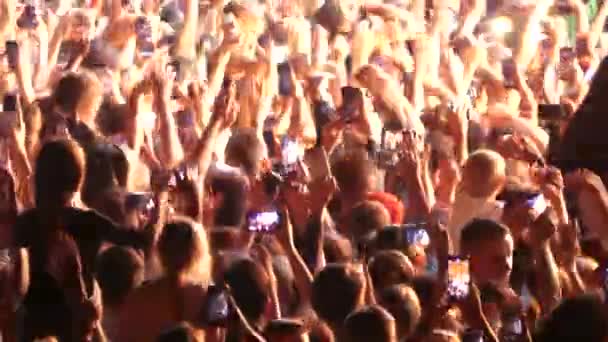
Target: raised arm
171, 148
185, 46
597, 26
528, 43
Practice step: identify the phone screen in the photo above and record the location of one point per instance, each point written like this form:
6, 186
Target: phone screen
285, 86
11, 53
143, 202
512, 328
416, 235
263, 221
459, 279
217, 310
146, 48
538, 204
391, 140
291, 154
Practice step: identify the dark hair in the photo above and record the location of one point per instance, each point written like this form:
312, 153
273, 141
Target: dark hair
11, 214
402, 302
250, 286
233, 207
336, 292
352, 171
284, 327
59, 172
371, 323
390, 238
183, 332
244, 150
424, 285
66, 92
481, 230
581, 318
389, 268
107, 167
367, 217
119, 271
74, 88
180, 246
337, 250
189, 191
112, 118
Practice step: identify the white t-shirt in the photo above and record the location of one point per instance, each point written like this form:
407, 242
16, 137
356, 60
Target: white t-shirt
467, 208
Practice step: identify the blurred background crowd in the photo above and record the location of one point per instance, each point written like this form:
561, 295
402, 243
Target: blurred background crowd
303, 170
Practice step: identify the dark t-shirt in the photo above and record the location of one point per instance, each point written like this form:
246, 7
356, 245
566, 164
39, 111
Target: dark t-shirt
88, 229
585, 143
45, 306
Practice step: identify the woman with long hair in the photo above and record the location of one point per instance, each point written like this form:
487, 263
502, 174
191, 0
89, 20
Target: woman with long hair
58, 176
178, 295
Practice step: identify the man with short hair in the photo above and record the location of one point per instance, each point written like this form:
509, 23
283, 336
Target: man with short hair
372, 323
337, 291
489, 247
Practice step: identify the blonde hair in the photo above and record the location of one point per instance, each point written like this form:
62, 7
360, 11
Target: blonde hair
183, 249
483, 173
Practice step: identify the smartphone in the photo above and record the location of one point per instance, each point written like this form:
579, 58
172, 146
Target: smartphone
291, 154
285, 84
146, 48
9, 104
551, 112
143, 202
459, 278
29, 17
268, 134
512, 329
509, 70
11, 53
472, 335
391, 140
263, 221
217, 308
538, 204
352, 98
318, 163
416, 235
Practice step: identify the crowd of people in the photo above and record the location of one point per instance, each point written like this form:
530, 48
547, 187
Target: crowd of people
303, 170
